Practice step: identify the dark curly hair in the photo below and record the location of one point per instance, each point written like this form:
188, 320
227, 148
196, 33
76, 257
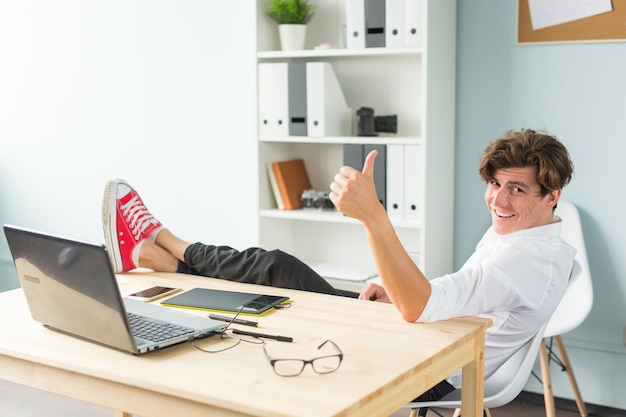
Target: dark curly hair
528, 148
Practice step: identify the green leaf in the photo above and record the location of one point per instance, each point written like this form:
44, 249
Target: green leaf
297, 12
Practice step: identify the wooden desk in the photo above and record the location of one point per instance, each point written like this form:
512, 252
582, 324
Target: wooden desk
387, 362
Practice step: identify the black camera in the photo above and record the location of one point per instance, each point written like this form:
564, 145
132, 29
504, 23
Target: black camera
369, 125
316, 199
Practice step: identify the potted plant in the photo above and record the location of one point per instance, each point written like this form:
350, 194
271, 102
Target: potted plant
292, 17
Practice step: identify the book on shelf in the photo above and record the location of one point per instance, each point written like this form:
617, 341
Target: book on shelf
274, 185
291, 179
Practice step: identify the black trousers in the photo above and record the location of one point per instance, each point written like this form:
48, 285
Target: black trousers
436, 393
255, 266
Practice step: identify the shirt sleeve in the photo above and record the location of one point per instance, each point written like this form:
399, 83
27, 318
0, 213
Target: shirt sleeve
510, 278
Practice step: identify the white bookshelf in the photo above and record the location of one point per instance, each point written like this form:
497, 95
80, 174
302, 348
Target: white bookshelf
418, 85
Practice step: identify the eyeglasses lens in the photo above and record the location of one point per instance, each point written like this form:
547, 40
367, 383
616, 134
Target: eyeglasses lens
288, 367
326, 364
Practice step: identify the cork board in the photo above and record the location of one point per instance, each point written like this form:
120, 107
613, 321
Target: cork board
609, 26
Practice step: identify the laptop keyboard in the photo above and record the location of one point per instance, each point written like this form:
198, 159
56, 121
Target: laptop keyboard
155, 331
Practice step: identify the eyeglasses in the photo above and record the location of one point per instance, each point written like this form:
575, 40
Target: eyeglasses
294, 367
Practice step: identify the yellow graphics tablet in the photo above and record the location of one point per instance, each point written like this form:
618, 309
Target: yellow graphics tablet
226, 301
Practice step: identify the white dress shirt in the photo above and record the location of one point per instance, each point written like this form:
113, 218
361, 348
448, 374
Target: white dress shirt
516, 280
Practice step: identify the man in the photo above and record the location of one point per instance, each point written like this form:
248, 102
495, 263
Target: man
516, 276
520, 269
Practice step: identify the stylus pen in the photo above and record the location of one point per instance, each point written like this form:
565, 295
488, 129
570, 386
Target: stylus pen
266, 336
236, 321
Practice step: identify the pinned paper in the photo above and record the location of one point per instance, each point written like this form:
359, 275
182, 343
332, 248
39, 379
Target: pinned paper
545, 13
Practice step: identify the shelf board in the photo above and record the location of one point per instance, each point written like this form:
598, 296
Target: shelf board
326, 216
339, 53
387, 140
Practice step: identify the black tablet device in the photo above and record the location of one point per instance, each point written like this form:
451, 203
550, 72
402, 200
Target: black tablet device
226, 301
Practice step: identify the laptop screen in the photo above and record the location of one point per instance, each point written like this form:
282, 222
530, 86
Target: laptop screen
70, 286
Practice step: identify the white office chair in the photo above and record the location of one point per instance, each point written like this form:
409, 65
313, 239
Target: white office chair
571, 312
500, 388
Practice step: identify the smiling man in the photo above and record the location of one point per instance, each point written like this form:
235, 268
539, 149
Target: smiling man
520, 268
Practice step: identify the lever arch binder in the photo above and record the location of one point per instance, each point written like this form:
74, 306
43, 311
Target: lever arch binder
328, 112
273, 99
374, 23
395, 182
296, 74
413, 23
355, 24
353, 155
394, 23
413, 182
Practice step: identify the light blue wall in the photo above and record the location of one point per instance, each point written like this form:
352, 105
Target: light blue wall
576, 91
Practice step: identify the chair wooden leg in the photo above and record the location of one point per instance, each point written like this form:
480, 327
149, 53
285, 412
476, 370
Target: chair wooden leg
413, 412
582, 409
548, 396
457, 412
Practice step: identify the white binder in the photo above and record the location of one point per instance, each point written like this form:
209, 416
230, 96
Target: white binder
394, 23
273, 99
355, 24
413, 169
328, 112
413, 23
395, 182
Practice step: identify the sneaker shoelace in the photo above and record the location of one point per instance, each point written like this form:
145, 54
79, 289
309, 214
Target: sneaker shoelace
137, 216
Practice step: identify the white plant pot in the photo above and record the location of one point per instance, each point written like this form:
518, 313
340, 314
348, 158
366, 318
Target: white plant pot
292, 37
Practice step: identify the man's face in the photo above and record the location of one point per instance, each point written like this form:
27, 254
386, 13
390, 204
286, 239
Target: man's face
514, 200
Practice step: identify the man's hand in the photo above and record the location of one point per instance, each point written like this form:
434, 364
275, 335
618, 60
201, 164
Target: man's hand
354, 193
374, 292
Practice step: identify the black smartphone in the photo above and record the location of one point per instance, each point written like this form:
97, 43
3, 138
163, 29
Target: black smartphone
263, 303
153, 293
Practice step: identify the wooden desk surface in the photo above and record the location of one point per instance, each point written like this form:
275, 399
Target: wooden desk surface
387, 362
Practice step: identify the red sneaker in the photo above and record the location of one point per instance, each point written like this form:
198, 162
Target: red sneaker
126, 222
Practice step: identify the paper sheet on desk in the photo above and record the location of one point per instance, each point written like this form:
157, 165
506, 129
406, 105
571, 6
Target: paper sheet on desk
544, 13
342, 272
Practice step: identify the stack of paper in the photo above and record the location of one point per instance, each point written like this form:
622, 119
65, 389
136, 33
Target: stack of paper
343, 272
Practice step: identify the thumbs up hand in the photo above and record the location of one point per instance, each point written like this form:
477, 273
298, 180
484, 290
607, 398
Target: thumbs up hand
354, 193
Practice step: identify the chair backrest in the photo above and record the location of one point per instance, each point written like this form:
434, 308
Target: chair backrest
578, 300
505, 384
508, 381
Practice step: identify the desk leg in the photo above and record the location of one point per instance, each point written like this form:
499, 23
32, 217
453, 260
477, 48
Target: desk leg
118, 413
473, 385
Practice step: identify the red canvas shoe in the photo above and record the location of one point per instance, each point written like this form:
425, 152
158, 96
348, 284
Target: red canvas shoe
126, 222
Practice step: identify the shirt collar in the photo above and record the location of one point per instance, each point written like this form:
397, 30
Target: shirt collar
553, 229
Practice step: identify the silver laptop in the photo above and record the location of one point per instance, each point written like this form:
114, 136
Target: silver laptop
70, 287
